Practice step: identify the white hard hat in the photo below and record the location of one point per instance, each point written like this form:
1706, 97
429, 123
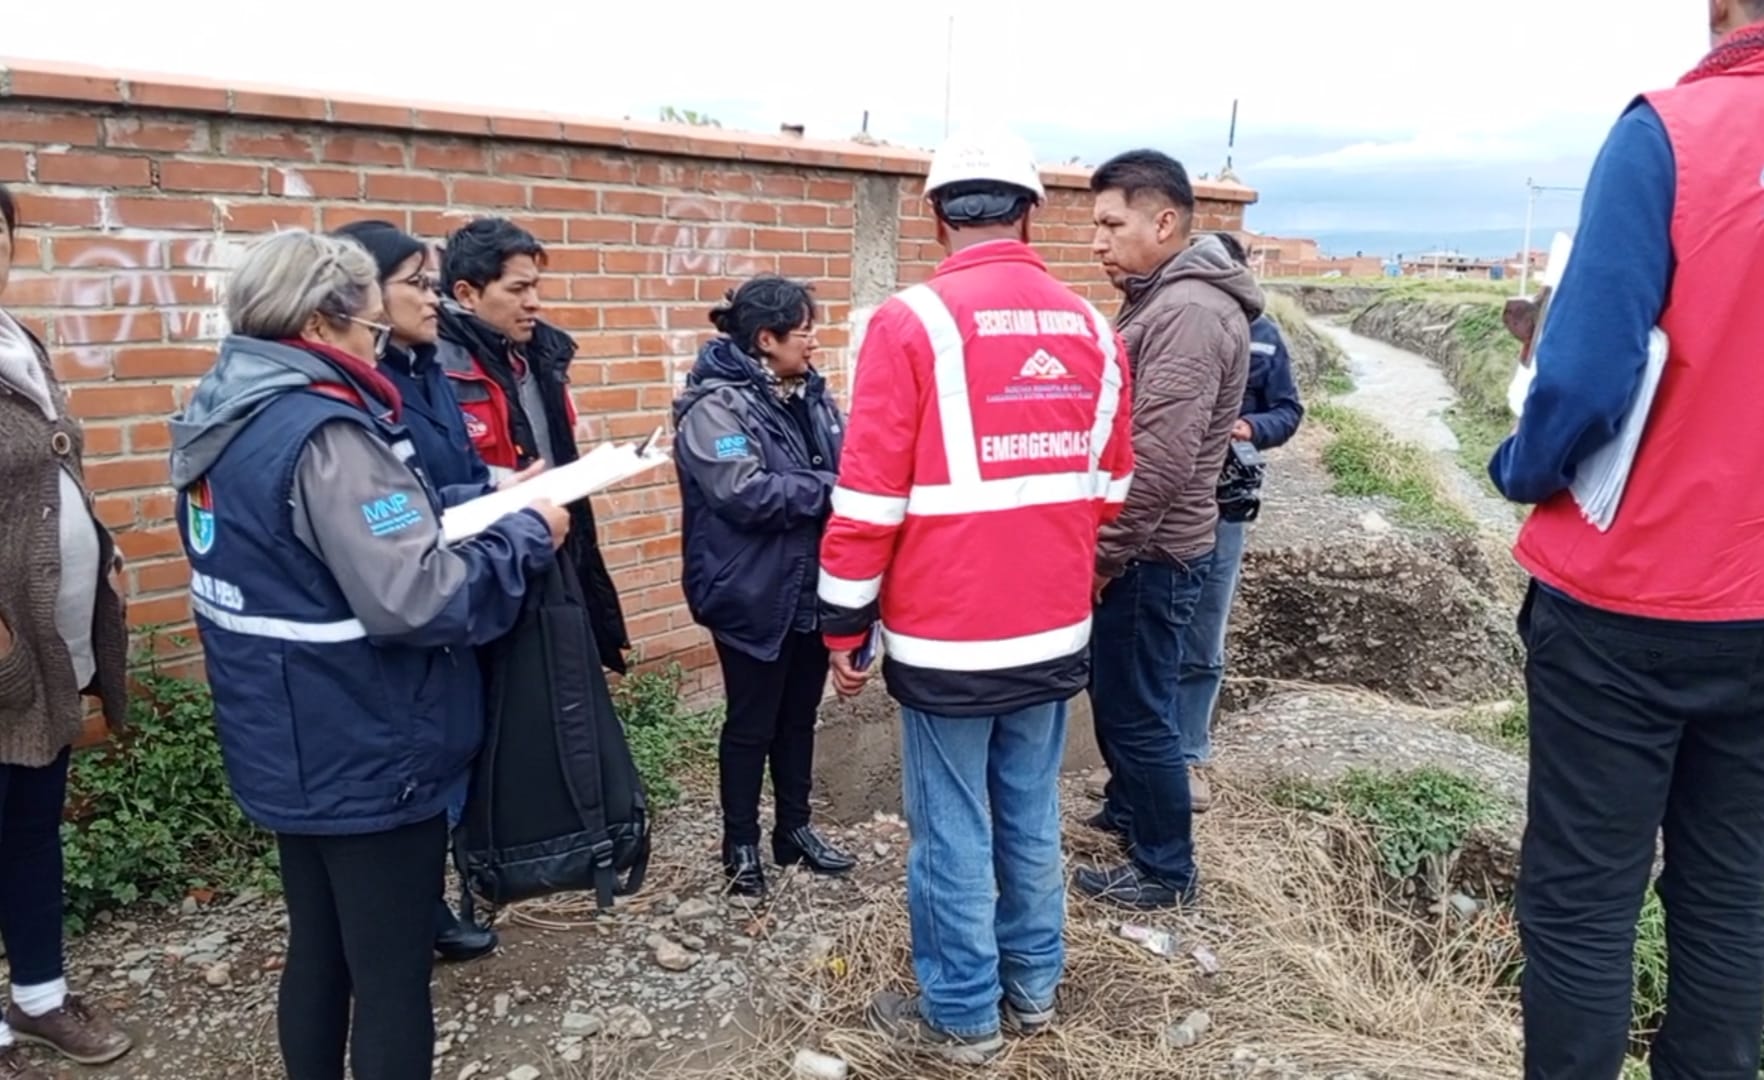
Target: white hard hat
985, 155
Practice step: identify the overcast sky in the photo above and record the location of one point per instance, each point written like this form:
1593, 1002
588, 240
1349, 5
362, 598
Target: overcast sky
1356, 115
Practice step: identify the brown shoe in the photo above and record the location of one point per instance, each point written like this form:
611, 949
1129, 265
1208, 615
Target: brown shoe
13, 1066
1200, 792
79, 1031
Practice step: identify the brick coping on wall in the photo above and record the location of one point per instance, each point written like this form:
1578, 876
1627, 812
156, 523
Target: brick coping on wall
41, 80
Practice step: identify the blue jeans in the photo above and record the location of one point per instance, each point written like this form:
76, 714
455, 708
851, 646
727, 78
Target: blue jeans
986, 890
1203, 647
1135, 654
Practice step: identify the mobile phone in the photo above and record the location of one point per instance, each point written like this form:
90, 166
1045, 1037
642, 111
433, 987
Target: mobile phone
865, 655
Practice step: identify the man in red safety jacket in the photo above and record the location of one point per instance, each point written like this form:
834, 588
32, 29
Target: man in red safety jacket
510, 371
989, 440
1645, 640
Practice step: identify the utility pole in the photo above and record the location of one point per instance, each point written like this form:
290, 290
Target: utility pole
1231, 142
1531, 192
948, 73
1525, 248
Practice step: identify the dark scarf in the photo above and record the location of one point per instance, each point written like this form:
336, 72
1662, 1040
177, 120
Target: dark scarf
360, 376
1739, 47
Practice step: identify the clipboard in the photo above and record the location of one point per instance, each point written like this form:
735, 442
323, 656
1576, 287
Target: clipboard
601, 468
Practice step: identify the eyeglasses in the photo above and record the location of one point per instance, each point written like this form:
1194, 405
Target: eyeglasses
422, 282
382, 332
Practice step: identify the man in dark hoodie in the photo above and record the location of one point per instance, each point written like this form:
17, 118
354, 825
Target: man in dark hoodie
1186, 323
511, 374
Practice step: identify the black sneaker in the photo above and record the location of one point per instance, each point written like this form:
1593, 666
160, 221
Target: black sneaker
897, 1017
1102, 821
1130, 887
1026, 1022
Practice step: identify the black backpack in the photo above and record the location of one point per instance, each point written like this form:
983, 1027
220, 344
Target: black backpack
556, 802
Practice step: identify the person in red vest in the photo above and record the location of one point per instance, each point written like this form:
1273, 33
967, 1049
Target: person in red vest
1645, 642
989, 440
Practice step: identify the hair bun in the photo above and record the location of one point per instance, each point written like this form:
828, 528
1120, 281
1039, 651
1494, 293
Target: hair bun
723, 315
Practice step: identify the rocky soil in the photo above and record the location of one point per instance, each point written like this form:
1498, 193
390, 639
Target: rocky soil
1328, 299
1336, 592
670, 980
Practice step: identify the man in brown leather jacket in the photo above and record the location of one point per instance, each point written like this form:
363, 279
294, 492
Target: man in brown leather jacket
1186, 324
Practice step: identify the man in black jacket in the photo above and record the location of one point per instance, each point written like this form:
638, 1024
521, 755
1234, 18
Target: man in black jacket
510, 372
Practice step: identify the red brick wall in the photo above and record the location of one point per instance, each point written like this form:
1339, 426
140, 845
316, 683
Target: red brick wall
135, 194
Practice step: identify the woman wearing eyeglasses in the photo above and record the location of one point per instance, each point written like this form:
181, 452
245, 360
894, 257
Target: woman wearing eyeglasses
757, 450
410, 284
338, 630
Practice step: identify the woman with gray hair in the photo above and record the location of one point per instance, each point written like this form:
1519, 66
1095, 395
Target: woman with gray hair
336, 624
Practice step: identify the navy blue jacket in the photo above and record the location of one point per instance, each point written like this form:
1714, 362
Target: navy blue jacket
1270, 399
756, 488
338, 632
435, 423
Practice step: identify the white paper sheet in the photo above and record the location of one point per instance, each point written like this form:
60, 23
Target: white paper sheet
1600, 479
597, 470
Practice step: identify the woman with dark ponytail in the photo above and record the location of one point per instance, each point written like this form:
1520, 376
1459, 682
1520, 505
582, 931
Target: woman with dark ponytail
757, 449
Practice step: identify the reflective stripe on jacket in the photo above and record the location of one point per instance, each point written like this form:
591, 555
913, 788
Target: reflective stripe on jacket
989, 440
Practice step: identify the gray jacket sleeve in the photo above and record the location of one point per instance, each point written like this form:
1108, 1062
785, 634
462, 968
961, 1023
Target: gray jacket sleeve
721, 451
365, 515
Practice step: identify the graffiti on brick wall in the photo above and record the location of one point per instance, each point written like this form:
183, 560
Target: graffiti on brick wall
142, 299
699, 245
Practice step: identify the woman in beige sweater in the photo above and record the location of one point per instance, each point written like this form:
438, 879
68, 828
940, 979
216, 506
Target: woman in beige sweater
62, 635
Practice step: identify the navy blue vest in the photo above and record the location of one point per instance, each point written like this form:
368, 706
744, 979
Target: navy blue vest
435, 423
322, 730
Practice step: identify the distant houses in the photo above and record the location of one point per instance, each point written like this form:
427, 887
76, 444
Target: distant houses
1300, 257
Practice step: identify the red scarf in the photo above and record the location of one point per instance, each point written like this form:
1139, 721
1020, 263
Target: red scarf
1735, 49
365, 375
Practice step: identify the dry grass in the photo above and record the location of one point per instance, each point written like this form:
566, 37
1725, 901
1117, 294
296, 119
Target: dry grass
1319, 969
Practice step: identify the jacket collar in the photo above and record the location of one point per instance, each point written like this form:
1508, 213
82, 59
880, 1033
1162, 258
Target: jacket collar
1142, 286
988, 253
414, 361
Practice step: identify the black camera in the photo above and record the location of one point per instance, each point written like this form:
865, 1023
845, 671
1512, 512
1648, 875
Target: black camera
1240, 482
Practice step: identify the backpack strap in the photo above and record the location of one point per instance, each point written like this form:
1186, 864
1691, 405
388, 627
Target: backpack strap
582, 756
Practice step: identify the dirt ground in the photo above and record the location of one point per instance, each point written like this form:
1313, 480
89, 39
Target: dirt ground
1296, 960
1287, 956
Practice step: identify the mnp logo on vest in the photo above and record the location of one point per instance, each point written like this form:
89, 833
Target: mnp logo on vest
391, 514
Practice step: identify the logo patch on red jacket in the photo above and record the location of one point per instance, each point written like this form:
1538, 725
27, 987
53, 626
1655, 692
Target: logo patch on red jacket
475, 426
1043, 365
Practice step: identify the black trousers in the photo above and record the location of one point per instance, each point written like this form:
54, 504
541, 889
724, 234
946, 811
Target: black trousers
771, 718
1640, 726
361, 933
31, 802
